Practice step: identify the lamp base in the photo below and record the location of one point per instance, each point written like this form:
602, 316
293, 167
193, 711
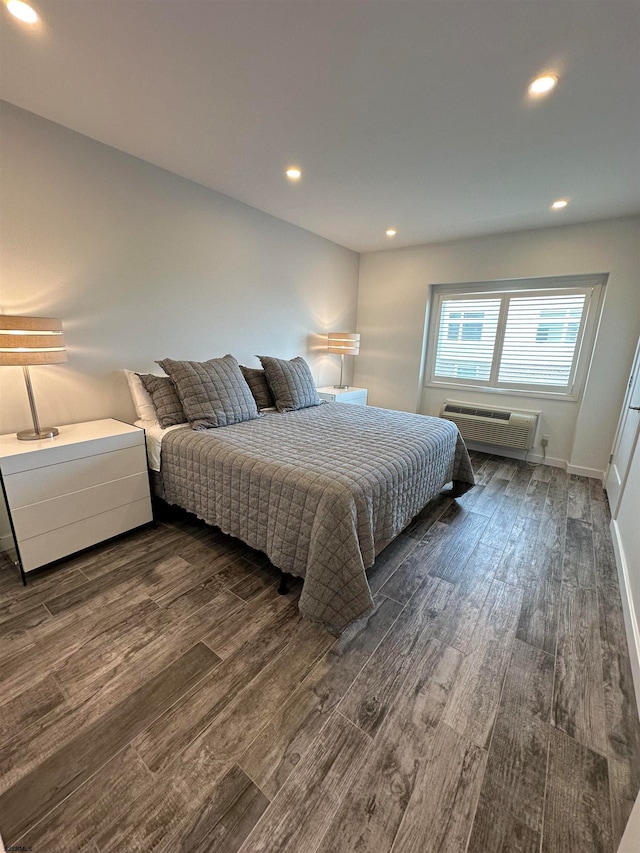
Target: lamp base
342, 387
38, 435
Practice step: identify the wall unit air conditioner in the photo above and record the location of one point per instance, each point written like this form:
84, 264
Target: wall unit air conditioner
502, 427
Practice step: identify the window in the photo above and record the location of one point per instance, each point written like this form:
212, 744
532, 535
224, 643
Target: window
521, 336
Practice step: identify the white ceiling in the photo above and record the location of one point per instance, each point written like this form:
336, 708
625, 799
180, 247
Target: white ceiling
411, 114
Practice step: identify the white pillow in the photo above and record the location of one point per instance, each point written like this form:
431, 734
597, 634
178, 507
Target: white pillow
141, 399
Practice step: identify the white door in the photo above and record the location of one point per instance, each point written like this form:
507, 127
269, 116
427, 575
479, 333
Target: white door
625, 440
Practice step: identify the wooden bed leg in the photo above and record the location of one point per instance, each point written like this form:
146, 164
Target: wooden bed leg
283, 589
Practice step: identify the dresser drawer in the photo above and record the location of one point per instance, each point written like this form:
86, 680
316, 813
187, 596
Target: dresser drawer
37, 518
41, 484
75, 441
43, 549
356, 398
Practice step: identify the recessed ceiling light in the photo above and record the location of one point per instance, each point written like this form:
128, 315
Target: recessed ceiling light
559, 204
22, 11
391, 232
543, 84
293, 174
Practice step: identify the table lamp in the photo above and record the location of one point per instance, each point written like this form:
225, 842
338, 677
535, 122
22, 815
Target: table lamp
31, 340
343, 343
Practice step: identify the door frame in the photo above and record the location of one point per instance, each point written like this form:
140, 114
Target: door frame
630, 608
622, 422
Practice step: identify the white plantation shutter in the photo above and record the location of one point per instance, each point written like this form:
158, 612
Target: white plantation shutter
540, 339
466, 338
515, 339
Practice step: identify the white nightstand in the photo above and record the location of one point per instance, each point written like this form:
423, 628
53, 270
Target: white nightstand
357, 396
84, 486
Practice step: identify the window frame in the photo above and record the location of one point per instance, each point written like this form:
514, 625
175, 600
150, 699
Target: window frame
593, 286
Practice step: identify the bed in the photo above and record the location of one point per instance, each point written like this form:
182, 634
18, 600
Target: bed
321, 491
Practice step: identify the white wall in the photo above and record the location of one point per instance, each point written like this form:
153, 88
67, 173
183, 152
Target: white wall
392, 301
141, 264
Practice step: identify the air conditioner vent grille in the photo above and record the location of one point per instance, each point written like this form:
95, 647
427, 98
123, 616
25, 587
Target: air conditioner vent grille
493, 426
482, 413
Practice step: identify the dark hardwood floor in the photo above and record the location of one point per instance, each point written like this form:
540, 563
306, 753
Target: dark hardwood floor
158, 694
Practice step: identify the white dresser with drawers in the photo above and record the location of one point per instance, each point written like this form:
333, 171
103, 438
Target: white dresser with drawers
62, 495
355, 396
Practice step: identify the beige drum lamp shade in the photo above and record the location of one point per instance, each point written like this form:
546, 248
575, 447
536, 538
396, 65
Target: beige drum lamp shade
25, 341
343, 343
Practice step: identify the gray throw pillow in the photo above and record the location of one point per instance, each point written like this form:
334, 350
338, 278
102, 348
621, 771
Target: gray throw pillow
257, 381
214, 393
164, 398
291, 383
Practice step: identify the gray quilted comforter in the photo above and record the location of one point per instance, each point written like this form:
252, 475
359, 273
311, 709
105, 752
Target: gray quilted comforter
320, 491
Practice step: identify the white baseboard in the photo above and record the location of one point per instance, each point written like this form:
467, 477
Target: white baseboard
510, 453
630, 616
596, 473
537, 459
